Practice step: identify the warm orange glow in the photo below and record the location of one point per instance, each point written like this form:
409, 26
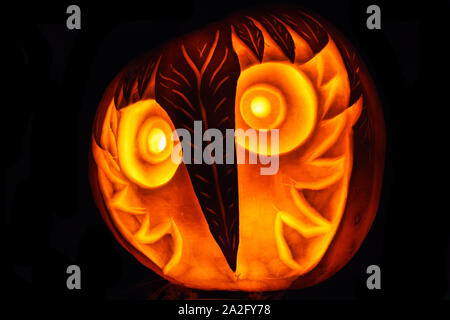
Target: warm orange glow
291, 104
302, 220
156, 140
301, 233
157, 224
142, 129
260, 107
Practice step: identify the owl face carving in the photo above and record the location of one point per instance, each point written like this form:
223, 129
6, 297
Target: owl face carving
224, 225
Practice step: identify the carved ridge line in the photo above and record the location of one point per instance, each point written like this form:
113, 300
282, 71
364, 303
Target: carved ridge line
143, 236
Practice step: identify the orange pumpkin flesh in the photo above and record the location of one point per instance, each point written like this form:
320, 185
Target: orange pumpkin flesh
291, 229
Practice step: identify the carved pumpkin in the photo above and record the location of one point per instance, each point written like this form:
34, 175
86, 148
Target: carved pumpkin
227, 226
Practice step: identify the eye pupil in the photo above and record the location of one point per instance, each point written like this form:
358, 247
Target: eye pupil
275, 95
260, 107
157, 140
154, 140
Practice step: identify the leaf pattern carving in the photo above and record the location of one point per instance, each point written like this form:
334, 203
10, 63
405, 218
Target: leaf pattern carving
280, 35
196, 82
251, 36
307, 27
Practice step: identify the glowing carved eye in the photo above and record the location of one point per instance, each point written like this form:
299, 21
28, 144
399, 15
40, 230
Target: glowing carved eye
262, 107
155, 140
145, 144
276, 96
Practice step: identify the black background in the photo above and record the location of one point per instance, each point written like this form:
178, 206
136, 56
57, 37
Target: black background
58, 80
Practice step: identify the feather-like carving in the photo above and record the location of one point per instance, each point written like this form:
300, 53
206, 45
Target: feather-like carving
145, 76
134, 82
351, 62
280, 35
251, 36
307, 27
105, 150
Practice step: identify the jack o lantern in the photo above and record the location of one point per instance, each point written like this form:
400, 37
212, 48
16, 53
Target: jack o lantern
224, 225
